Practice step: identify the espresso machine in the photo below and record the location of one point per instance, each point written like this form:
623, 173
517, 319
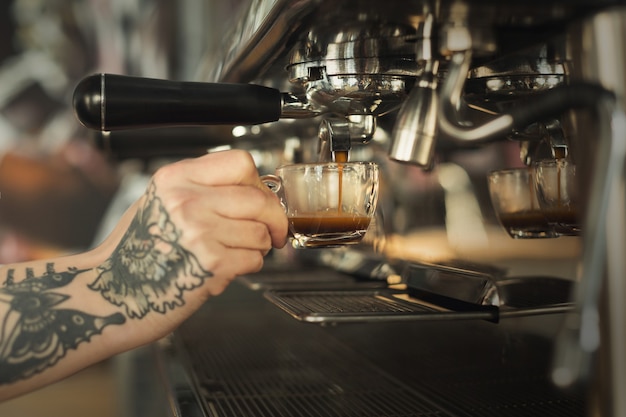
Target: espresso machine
437, 312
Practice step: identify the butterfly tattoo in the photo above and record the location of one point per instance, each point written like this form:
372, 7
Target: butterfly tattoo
149, 270
37, 332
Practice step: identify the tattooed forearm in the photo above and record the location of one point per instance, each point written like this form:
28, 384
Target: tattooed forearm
149, 269
35, 330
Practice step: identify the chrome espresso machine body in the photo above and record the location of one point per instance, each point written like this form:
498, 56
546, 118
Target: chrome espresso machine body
438, 312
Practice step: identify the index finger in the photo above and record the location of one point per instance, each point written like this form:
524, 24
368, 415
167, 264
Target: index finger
232, 167
246, 202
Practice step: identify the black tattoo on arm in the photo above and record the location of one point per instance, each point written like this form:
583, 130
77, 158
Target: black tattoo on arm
149, 269
36, 332
9, 279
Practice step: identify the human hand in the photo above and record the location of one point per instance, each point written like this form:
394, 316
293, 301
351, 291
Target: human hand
201, 222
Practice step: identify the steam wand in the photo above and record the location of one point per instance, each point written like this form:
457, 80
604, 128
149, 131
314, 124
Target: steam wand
448, 108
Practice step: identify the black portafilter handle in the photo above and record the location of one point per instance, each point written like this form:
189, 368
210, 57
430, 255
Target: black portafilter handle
115, 102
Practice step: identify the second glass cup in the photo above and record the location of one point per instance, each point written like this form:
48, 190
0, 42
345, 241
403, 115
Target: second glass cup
327, 204
514, 200
557, 194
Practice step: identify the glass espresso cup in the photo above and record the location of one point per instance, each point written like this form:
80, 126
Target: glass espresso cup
514, 200
327, 204
557, 194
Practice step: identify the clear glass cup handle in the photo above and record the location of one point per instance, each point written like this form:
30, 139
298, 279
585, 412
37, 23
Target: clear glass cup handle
275, 184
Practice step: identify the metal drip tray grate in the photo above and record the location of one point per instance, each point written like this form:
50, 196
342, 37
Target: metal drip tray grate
349, 301
365, 305
431, 293
258, 368
247, 358
316, 278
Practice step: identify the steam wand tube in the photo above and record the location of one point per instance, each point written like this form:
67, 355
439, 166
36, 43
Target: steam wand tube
541, 106
538, 107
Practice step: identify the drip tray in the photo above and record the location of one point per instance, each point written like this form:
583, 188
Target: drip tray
430, 293
244, 357
364, 305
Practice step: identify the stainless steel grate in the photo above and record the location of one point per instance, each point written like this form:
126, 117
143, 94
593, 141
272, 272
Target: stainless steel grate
431, 294
349, 301
365, 305
247, 358
257, 368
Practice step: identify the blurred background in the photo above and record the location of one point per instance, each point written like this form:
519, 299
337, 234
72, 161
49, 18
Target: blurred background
59, 193
55, 185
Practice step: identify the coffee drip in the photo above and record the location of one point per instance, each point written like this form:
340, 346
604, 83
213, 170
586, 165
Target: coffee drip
341, 157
